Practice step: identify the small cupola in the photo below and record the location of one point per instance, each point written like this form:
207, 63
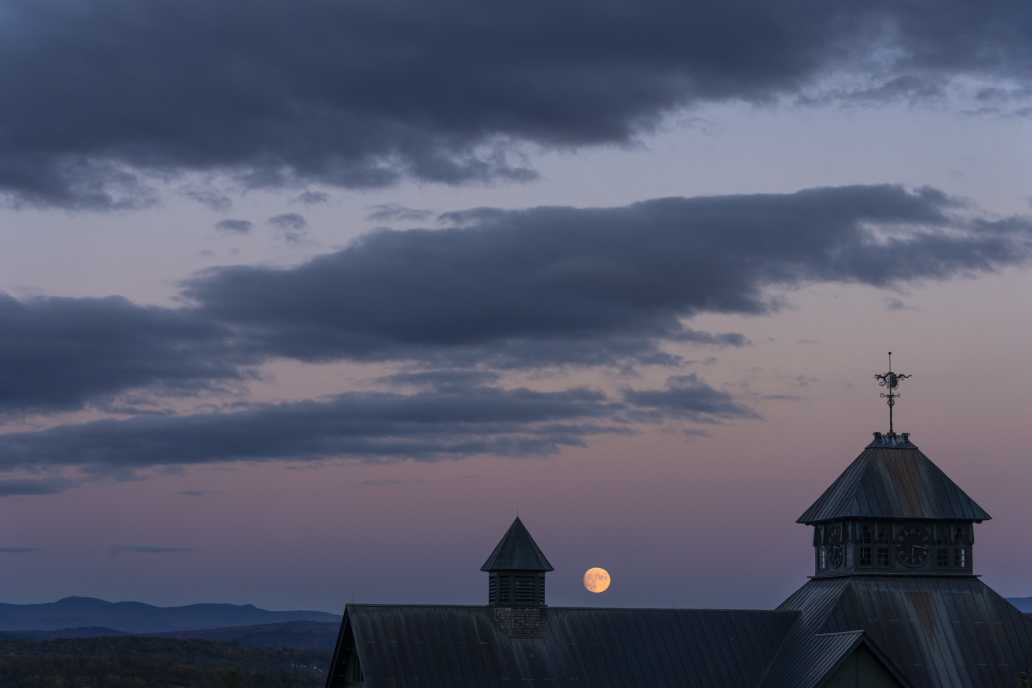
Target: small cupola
516, 570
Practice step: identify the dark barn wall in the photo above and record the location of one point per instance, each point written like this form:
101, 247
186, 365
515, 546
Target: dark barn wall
861, 670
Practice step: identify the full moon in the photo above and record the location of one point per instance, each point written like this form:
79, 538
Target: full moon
596, 579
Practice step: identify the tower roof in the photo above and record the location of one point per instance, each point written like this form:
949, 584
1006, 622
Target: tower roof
517, 551
893, 479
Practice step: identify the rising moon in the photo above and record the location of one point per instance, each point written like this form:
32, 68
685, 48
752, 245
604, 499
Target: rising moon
596, 579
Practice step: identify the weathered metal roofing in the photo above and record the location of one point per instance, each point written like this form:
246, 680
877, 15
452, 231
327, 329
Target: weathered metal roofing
892, 478
517, 551
939, 632
452, 646
811, 658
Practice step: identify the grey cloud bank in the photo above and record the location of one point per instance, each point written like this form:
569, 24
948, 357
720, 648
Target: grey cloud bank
455, 421
446, 419
362, 94
528, 288
59, 353
34, 487
688, 397
559, 285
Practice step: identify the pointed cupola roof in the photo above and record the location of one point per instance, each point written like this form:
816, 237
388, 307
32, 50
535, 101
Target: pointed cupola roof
893, 479
517, 551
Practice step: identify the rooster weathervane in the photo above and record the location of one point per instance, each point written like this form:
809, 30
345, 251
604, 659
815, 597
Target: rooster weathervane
890, 380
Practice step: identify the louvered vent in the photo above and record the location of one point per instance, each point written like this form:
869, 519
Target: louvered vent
516, 589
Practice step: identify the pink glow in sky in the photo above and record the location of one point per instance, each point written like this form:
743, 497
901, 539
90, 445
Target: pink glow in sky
683, 507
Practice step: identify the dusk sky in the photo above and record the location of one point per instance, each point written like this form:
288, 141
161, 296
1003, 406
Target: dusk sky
301, 303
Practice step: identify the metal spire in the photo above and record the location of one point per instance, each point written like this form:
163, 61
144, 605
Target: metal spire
890, 380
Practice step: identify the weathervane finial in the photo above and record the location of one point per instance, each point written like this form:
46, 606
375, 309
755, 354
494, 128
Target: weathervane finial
890, 380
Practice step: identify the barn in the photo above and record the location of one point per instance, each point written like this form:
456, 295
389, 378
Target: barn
894, 601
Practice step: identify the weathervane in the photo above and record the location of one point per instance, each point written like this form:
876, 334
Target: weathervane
890, 380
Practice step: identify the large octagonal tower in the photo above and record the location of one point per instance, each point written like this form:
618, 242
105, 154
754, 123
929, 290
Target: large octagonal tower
893, 541
895, 512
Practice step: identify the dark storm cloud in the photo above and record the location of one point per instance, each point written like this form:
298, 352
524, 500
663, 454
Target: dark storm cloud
449, 422
59, 353
238, 226
687, 397
559, 285
98, 97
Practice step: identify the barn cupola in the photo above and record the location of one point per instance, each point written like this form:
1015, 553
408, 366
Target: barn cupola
516, 570
893, 512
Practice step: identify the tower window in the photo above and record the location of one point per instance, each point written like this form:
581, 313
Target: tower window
865, 556
883, 556
866, 534
960, 558
942, 558
823, 563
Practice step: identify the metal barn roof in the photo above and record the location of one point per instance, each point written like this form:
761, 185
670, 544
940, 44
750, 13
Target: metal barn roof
810, 658
892, 478
937, 631
453, 646
517, 551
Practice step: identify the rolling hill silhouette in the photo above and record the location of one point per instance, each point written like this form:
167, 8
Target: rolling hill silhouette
140, 618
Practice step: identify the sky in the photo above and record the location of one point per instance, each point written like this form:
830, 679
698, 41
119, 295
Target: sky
301, 303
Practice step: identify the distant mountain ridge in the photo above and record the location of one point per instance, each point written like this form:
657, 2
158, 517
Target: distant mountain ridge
138, 617
1022, 603
298, 635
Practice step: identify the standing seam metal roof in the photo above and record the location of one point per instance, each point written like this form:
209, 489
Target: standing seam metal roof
893, 480
453, 646
517, 551
810, 659
939, 632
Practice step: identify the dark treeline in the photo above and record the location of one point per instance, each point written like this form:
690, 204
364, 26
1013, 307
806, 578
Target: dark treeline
148, 662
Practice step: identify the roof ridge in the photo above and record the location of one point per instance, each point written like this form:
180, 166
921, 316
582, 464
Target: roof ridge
385, 605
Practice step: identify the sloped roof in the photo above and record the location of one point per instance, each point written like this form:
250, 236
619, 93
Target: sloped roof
938, 631
453, 646
892, 478
517, 551
810, 658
